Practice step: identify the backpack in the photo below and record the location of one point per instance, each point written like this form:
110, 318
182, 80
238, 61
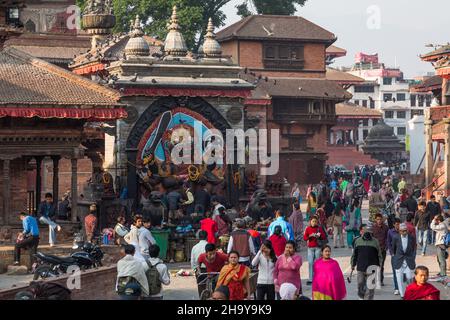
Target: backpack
447, 240
122, 284
153, 278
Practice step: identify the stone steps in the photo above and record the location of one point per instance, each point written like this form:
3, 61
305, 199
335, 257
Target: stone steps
348, 157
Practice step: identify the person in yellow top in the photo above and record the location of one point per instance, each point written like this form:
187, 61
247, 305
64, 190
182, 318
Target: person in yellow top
402, 184
312, 205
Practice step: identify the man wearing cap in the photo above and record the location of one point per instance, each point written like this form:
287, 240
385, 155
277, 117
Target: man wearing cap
404, 257
366, 253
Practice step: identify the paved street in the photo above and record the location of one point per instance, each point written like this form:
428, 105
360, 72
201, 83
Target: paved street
185, 288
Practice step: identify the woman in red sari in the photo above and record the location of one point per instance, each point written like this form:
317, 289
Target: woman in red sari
236, 277
328, 282
420, 289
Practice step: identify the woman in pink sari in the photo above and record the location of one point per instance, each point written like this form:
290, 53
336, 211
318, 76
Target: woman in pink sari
328, 282
287, 269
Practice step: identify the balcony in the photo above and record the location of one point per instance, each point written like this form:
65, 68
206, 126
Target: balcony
312, 118
284, 64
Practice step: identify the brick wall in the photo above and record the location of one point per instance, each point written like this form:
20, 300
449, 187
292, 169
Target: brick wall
65, 175
250, 55
95, 284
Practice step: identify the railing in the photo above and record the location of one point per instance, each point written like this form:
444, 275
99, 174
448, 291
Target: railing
432, 185
289, 117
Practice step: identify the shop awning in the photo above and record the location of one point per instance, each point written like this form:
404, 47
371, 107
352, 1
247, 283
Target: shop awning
97, 114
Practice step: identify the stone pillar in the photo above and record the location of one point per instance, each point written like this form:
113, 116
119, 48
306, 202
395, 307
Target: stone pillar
74, 189
447, 156
445, 99
428, 155
332, 138
6, 190
56, 178
38, 181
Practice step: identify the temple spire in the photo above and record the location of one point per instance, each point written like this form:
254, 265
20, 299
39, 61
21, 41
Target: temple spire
137, 46
175, 44
211, 47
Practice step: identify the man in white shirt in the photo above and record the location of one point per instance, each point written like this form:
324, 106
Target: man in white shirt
216, 206
146, 238
129, 269
198, 249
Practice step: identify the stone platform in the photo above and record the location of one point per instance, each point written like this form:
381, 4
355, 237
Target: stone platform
8, 234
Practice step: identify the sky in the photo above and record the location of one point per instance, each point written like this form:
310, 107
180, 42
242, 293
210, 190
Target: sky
397, 30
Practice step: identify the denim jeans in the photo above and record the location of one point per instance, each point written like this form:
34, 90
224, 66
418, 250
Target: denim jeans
51, 229
351, 235
441, 260
395, 276
313, 255
364, 292
431, 236
422, 240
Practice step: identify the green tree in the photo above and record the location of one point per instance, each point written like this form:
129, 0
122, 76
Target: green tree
193, 15
275, 7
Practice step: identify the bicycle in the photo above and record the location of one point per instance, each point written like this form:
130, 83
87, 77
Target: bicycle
210, 279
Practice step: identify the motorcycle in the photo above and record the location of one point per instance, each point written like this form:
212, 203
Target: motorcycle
51, 266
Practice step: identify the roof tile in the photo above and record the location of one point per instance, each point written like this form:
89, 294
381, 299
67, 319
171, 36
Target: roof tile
28, 80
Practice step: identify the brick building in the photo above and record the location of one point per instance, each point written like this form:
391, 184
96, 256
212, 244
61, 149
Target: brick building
47, 115
286, 57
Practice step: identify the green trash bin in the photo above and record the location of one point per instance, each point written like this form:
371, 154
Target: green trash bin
162, 240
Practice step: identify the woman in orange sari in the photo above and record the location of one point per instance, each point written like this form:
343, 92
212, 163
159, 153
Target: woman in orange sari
236, 277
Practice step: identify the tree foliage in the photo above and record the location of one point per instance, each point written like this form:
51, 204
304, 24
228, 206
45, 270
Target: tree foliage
277, 7
193, 15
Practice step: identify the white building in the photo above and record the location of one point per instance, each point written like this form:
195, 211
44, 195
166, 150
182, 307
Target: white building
386, 90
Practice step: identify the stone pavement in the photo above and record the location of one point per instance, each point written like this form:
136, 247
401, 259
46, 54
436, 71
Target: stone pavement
185, 288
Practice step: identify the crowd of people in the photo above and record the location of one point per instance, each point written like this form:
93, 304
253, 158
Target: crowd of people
257, 250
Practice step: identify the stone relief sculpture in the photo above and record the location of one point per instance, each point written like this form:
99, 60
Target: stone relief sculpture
99, 7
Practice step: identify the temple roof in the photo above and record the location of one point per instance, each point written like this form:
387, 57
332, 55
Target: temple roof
51, 48
381, 139
304, 88
343, 77
26, 80
430, 84
336, 51
350, 110
444, 50
273, 27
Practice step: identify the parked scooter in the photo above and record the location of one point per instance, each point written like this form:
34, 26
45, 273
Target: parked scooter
51, 266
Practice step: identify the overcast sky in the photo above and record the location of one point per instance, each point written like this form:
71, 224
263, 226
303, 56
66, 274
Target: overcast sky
404, 27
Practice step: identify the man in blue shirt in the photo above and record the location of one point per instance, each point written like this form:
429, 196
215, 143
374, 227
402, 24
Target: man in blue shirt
29, 238
286, 227
46, 213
